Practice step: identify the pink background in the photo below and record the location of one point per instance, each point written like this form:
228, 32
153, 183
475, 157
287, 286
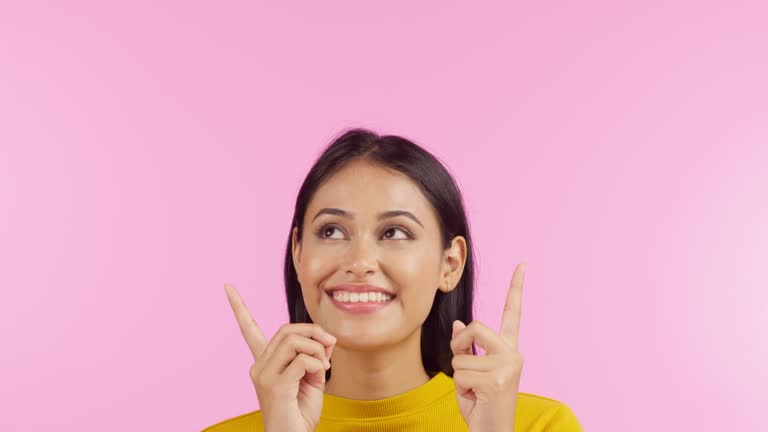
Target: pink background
151, 151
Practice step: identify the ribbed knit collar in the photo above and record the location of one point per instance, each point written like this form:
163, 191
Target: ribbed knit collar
413, 400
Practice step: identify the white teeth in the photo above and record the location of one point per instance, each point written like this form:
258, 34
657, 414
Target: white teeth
353, 297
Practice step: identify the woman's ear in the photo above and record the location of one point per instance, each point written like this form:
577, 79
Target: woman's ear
295, 250
454, 259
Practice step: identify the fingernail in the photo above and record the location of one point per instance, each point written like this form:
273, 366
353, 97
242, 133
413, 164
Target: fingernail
330, 337
327, 364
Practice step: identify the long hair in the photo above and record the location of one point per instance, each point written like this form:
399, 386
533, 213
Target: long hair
439, 188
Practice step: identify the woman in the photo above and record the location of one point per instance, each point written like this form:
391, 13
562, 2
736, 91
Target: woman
379, 279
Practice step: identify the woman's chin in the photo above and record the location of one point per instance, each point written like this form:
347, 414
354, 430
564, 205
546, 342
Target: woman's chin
358, 339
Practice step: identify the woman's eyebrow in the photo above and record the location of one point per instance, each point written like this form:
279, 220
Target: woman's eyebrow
384, 215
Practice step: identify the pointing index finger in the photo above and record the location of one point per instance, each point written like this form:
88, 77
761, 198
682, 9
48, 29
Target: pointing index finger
510, 319
253, 335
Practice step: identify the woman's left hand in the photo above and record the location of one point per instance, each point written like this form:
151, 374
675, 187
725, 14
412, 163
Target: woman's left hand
487, 386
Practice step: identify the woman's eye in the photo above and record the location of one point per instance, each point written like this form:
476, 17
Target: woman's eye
393, 229
326, 229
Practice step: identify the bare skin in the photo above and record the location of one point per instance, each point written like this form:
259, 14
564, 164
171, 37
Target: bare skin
487, 386
377, 355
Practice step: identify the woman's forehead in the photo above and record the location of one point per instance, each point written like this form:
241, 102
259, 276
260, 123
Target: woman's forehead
368, 190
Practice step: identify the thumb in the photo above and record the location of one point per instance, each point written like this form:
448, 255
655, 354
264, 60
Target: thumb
464, 346
458, 326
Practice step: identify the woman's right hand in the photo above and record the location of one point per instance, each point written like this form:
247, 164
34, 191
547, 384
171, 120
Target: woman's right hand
288, 372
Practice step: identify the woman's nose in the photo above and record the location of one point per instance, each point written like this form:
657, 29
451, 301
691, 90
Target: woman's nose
361, 258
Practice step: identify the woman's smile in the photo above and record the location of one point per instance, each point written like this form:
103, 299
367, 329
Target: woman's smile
355, 298
362, 303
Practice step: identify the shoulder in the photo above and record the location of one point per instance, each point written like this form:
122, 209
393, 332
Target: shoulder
536, 412
250, 422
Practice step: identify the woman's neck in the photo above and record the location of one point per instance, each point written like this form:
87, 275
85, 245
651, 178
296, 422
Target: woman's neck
371, 375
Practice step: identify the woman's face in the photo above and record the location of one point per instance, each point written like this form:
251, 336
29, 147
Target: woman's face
402, 255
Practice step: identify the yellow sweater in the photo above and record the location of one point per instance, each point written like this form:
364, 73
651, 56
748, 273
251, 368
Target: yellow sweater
429, 407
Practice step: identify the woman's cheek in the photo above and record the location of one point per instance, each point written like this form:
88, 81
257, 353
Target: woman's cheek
406, 262
414, 275
317, 263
